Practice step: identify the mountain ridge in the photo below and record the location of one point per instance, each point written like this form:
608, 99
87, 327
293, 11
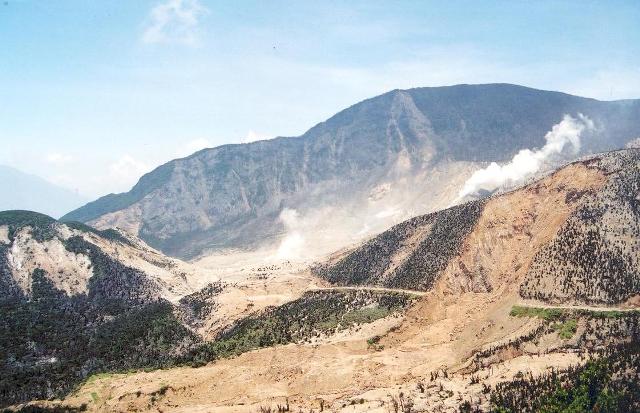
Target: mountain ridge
231, 196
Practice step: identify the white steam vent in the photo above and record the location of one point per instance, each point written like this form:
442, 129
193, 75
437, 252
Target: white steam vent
527, 162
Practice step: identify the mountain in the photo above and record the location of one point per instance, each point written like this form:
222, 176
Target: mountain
572, 237
374, 164
526, 300
31, 192
75, 300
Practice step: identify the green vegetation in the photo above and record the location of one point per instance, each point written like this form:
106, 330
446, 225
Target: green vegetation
39, 409
609, 382
365, 315
314, 314
547, 314
98, 376
595, 256
146, 335
564, 320
609, 314
598, 330
587, 394
374, 343
109, 234
605, 385
8, 286
50, 342
114, 286
196, 307
20, 218
554, 314
42, 226
566, 329
423, 265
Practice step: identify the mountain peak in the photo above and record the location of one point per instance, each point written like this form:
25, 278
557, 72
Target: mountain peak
418, 141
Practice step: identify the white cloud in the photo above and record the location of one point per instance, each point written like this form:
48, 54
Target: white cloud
57, 159
64, 180
174, 22
193, 146
253, 136
126, 171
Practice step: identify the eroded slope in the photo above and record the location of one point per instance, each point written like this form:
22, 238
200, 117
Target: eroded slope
73, 302
595, 257
571, 237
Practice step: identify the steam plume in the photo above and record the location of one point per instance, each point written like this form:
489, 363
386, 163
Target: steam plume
527, 162
293, 243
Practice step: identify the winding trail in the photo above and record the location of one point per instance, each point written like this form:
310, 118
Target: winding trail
367, 288
535, 304
531, 304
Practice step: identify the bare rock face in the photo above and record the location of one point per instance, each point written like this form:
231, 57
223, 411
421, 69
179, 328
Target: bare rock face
72, 256
68, 271
416, 143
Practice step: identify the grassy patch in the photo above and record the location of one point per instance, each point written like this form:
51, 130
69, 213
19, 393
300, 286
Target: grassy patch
329, 325
104, 376
374, 343
556, 314
99, 376
564, 320
615, 314
366, 315
547, 314
566, 329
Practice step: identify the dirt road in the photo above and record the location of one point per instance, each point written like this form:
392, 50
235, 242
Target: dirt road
367, 288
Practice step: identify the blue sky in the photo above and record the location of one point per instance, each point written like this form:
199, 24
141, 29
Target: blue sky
95, 93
